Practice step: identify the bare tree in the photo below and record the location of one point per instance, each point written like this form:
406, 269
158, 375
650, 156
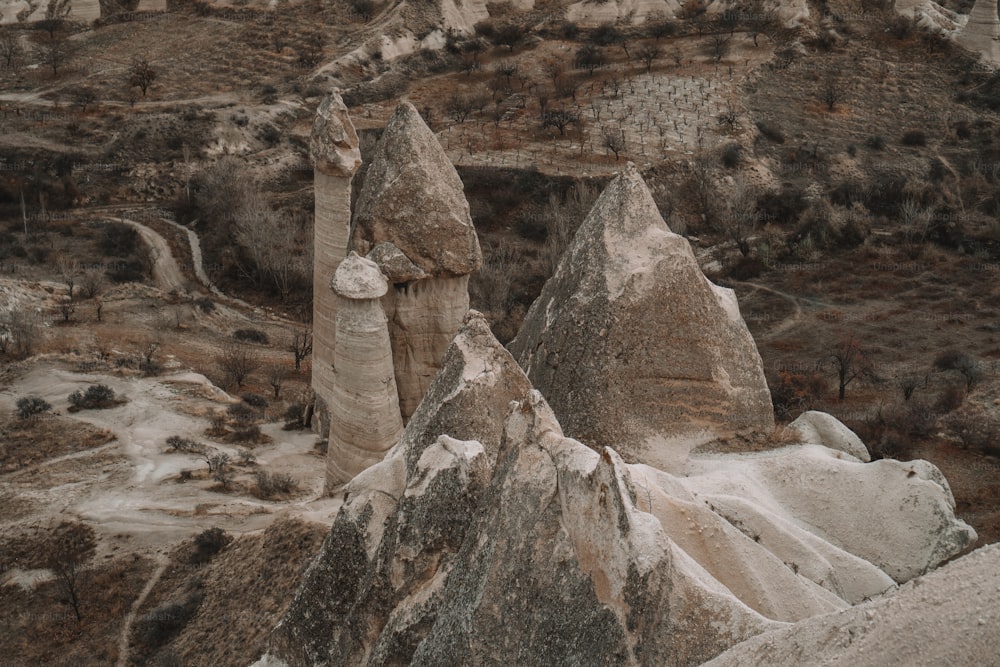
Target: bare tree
69, 270
276, 374
19, 330
301, 346
718, 45
648, 54
589, 57
238, 360
850, 360
91, 283
10, 48
459, 107
141, 74
69, 547
613, 141
560, 119
67, 308
56, 51
831, 90
741, 216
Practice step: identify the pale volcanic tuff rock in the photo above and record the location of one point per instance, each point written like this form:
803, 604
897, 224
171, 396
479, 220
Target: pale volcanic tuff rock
820, 428
335, 156
982, 32
949, 617
486, 535
413, 198
364, 406
633, 347
413, 219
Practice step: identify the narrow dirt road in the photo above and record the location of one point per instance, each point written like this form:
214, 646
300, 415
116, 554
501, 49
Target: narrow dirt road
166, 273
130, 617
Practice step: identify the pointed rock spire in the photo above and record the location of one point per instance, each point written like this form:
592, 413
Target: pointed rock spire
633, 347
413, 198
335, 156
413, 219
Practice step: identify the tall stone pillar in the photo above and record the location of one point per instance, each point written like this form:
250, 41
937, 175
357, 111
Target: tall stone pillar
364, 408
335, 156
412, 216
982, 32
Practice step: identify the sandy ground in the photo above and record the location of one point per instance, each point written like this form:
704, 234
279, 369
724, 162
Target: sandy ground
128, 490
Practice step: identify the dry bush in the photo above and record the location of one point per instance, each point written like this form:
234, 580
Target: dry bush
268, 484
26, 442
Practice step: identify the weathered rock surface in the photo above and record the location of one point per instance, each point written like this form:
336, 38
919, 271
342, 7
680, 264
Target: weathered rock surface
635, 11
364, 406
486, 535
949, 617
372, 562
423, 317
336, 156
413, 219
414, 199
820, 428
633, 347
981, 33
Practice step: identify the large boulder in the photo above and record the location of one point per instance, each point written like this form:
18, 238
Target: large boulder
631, 344
335, 154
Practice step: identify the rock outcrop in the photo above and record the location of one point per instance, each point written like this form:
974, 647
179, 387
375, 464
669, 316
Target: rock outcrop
335, 156
949, 617
981, 33
820, 428
488, 536
413, 219
364, 407
633, 347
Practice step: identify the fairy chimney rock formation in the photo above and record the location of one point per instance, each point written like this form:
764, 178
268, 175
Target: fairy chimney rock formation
486, 528
364, 406
631, 344
412, 216
982, 32
335, 156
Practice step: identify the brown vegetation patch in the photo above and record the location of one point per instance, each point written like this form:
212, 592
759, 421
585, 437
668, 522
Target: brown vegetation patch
38, 628
27, 442
228, 604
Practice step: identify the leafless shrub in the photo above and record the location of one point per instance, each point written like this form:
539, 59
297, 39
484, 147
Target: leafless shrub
238, 360
272, 484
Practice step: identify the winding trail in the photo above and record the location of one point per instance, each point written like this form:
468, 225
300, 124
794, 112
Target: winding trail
166, 273
123, 643
796, 317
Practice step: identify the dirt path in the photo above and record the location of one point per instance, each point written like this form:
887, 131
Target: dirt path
130, 617
166, 273
797, 316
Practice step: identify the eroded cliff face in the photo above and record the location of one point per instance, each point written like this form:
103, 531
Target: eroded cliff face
413, 219
336, 156
488, 535
633, 347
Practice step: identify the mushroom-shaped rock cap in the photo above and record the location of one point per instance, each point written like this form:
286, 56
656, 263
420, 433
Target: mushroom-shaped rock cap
396, 266
359, 278
413, 198
334, 143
